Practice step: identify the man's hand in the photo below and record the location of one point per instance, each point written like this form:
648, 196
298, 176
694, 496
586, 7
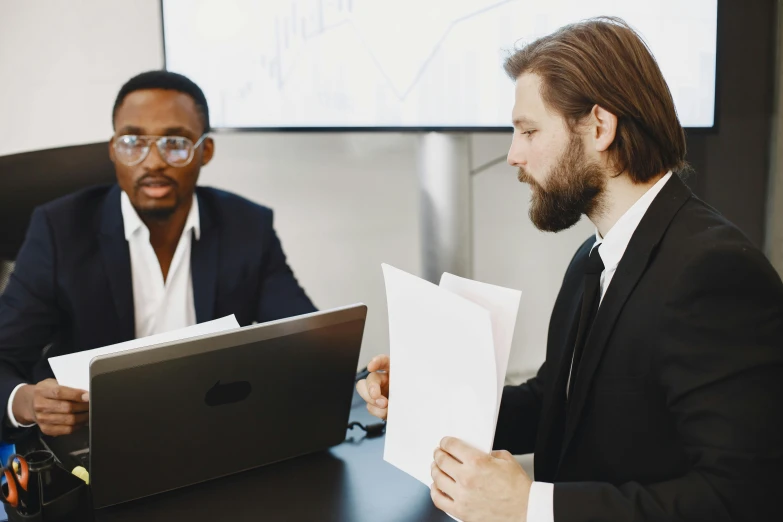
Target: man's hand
375, 388
58, 410
476, 487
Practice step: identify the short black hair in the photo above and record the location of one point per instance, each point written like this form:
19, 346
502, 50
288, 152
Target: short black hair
169, 81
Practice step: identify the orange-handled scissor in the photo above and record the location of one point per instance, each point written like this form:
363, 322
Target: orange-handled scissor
16, 474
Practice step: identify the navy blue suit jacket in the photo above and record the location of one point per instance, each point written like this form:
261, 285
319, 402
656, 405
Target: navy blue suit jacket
71, 289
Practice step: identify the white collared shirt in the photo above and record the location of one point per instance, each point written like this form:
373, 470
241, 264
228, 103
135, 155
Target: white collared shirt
616, 241
540, 506
159, 306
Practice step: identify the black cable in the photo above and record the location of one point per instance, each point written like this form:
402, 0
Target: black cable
372, 430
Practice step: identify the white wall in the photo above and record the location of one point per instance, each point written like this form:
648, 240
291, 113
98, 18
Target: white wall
344, 202
62, 63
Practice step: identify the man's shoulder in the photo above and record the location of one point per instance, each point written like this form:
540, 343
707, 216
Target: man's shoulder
698, 230
85, 200
230, 206
704, 247
698, 244
78, 212
72, 222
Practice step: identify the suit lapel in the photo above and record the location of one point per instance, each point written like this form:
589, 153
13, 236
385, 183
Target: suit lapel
552, 424
116, 261
204, 262
633, 264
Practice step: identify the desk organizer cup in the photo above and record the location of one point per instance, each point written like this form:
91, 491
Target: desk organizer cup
52, 493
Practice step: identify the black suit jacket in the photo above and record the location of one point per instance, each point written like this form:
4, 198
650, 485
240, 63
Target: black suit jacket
677, 410
72, 285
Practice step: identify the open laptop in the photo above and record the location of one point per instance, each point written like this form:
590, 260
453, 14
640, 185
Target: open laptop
185, 412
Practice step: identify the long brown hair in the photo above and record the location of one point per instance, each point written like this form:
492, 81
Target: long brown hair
602, 61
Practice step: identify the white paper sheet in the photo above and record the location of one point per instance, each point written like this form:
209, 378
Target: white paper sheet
73, 370
503, 306
444, 364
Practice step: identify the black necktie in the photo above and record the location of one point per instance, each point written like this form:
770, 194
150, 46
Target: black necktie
590, 302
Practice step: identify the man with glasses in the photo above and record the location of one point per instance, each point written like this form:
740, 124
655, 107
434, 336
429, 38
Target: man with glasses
150, 254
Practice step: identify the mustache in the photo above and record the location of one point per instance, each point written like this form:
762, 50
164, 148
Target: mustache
155, 176
524, 177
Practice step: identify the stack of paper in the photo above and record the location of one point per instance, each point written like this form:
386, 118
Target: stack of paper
73, 370
449, 349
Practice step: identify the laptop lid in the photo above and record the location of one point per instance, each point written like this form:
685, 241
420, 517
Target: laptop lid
185, 412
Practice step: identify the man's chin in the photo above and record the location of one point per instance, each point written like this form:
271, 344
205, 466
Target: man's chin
156, 212
552, 220
553, 225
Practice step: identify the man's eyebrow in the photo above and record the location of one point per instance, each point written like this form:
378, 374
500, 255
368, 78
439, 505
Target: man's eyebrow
130, 129
522, 120
171, 131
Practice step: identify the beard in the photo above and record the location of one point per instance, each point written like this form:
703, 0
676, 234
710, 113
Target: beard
157, 214
574, 187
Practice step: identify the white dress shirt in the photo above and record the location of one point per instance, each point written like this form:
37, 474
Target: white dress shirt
159, 306
540, 507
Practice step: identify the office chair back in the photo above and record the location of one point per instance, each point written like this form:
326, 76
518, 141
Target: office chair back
30, 179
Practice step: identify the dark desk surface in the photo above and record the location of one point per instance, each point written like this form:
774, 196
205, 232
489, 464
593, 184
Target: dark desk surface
351, 482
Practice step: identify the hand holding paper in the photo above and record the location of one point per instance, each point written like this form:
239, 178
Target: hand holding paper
73, 370
61, 406
451, 343
474, 486
57, 410
450, 346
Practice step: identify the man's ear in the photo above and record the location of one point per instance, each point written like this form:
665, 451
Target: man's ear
603, 128
209, 151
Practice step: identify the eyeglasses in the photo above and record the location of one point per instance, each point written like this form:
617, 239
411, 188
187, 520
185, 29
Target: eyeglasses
177, 151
